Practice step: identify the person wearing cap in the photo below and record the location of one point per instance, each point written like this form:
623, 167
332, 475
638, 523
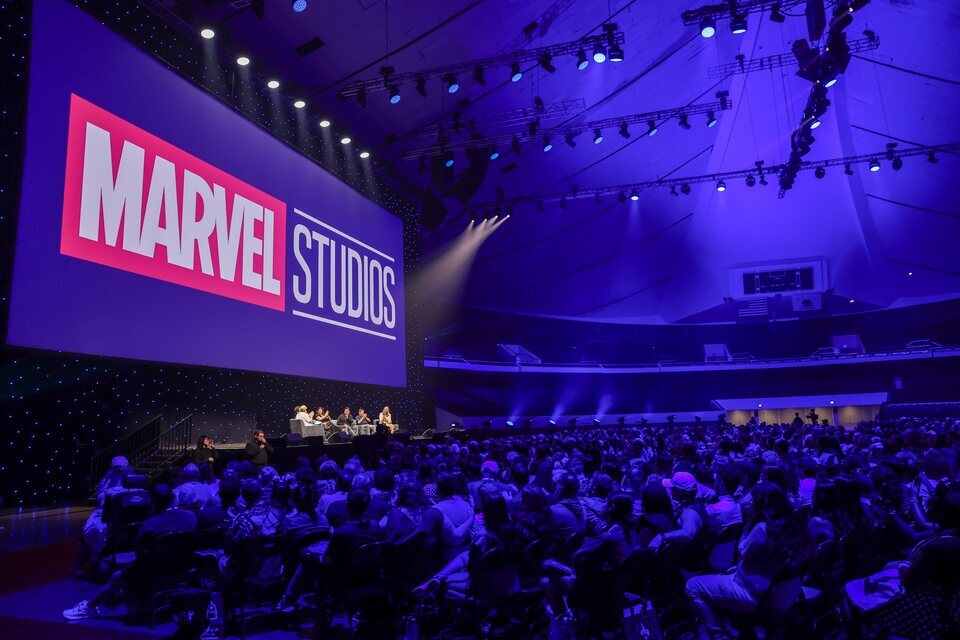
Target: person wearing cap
692, 516
190, 478
168, 519
490, 481
93, 536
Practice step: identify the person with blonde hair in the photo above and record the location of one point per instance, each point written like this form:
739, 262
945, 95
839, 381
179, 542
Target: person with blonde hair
303, 415
387, 420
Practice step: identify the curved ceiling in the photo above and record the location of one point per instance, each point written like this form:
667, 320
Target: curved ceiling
662, 258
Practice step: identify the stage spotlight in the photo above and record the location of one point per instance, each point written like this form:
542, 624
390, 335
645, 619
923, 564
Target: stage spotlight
622, 197
738, 24
624, 130
833, 402
568, 138
563, 203
622, 420
582, 61
509, 423
572, 422
708, 27
449, 160
815, 123
831, 81
596, 422
651, 128
599, 54
345, 140
362, 98
451, 83
515, 72
494, 154
897, 163
596, 198
874, 165
487, 423
515, 145
527, 422
673, 189
552, 423
299, 5
274, 84
847, 169
299, 104
684, 123
763, 180
776, 15
364, 154
394, 94
616, 54
478, 76
932, 157
243, 61
721, 186
207, 33
324, 123
751, 181
421, 86
851, 300
540, 206
711, 119
597, 136
634, 195
547, 145
546, 63
685, 189
819, 172
760, 405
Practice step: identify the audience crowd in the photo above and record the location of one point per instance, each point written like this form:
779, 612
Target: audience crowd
646, 531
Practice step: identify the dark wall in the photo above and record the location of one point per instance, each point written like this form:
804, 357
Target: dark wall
56, 409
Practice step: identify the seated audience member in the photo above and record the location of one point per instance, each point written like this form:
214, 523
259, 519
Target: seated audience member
190, 478
570, 514
342, 488
93, 537
447, 524
336, 513
490, 481
210, 515
168, 519
356, 532
771, 538
406, 515
259, 450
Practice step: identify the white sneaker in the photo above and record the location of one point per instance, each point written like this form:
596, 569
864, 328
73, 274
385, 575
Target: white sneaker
81, 612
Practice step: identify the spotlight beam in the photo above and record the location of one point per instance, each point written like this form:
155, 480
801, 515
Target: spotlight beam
560, 133
466, 69
760, 169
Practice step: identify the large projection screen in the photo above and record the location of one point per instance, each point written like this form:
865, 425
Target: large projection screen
158, 224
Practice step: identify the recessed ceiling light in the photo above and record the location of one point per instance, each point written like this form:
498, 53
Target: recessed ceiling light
274, 84
345, 140
364, 154
243, 61
324, 123
207, 33
299, 104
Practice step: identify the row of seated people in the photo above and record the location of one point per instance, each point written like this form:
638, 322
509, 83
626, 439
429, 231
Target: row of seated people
718, 529
346, 424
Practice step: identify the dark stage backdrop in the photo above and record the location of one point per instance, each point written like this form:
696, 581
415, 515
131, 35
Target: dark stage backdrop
56, 409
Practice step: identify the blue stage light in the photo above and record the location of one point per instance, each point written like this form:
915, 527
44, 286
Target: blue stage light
394, 94
597, 136
582, 61
515, 72
299, 5
708, 27
600, 54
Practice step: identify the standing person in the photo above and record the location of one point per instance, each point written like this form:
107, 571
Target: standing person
387, 420
206, 453
258, 450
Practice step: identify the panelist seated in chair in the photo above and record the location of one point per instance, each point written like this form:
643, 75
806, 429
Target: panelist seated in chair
387, 420
168, 519
304, 416
321, 415
346, 422
364, 423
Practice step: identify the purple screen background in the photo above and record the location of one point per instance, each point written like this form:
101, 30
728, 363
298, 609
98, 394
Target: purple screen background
66, 304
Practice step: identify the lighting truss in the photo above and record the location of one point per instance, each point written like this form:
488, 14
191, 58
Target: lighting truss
723, 10
742, 65
612, 35
760, 170
534, 131
512, 118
